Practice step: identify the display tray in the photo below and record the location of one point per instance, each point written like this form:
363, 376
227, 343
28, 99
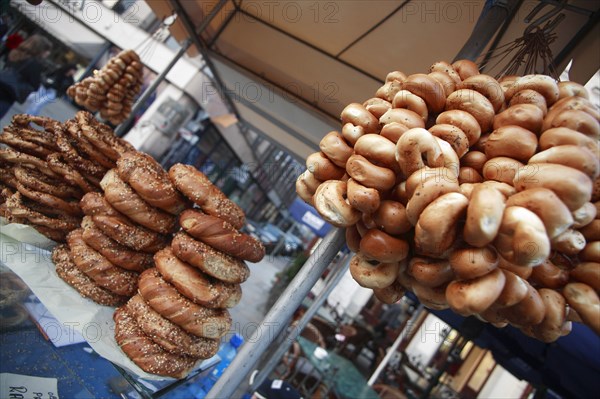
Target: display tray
29, 257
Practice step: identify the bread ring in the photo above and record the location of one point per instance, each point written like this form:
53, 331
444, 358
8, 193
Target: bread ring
549, 275
116, 253
470, 263
467, 174
353, 238
430, 272
543, 84
571, 89
570, 242
522, 238
465, 68
50, 201
390, 217
390, 294
514, 290
392, 131
527, 116
351, 132
583, 216
310, 180
388, 90
446, 68
572, 186
447, 82
169, 303
431, 297
586, 303
212, 262
38, 181
168, 335
474, 103
475, 160
591, 231
565, 136
574, 156
323, 168
195, 285
129, 234
378, 150
330, 201
501, 169
87, 288
303, 190
370, 175
98, 268
475, 295
588, 273
415, 146
591, 252
419, 178
451, 161
579, 121
426, 193
20, 208
372, 275
382, 247
435, 231
462, 120
528, 312
403, 116
85, 148
129, 56
486, 85
511, 141
364, 199
484, 215
569, 103
115, 97
377, 106
555, 316
359, 116
480, 145
122, 197
102, 136
523, 272
399, 194
453, 135
407, 100
8, 155
144, 352
335, 148
529, 96
428, 89
19, 143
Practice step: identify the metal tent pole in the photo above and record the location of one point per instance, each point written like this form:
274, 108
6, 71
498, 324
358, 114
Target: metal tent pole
120, 130
283, 309
291, 335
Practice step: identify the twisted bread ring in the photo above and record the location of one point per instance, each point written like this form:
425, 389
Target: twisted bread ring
129, 234
50, 201
18, 208
38, 181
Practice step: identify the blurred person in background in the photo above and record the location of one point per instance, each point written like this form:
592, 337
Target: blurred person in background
22, 74
12, 41
54, 86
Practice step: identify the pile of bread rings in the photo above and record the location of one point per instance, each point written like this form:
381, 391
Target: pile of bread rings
112, 89
45, 172
477, 195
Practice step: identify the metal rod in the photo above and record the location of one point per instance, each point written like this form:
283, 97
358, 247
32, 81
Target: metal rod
283, 309
405, 331
120, 130
291, 335
211, 15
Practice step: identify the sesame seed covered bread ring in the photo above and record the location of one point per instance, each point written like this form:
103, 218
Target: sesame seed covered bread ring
50, 201
66, 270
198, 188
221, 235
19, 143
330, 201
38, 181
415, 146
194, 284
167, 334
56, 163
21, 208
98, 268
373, 275
116, 253
144, 352
212, 262
8, 155
129, 234
124, 199
169, 303
150, 181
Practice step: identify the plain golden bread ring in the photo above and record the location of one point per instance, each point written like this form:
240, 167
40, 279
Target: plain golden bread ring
488, 86
522, 238
351, 132
511, 141
446, 68
475, 295
116, 253
87, 288
528, 312
589, 273
431, 297
501, 169
475, 160
543, 84
548, 275
370, 175
150, 181
585, 215
529, 96
451, 161
403, 116
429, 190
415, 146
445, 80
378, 150
124, 199
167, 334
574, 156
335, 148
370, 274
527, 116
194, 284
571, 89
484, 215
435, 231
390, 294
565, 136
377, 106
570, 242
388, 90
585, 301
221, 235
465, 68
462, 120
555, 317
474, 103
358, 115
407, 100
323, 168
364, 199
169, 303
99, 269
330, 200
212, 262
453, 135
353, 238
428, 89
393, 131
579, 121
466, 174
430, 272
514, 290
304, 189
470, 263
382, 247
144, 352
390, 217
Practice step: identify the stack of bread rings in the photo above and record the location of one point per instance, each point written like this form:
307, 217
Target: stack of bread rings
112, 89
44, 173
180, 310
476, 194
